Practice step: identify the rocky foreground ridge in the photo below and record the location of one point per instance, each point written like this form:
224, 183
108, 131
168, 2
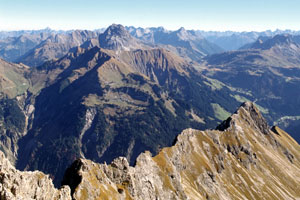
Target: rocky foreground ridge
15, 184
242, 159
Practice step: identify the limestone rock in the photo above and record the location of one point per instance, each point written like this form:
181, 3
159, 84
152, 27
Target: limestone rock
15, 184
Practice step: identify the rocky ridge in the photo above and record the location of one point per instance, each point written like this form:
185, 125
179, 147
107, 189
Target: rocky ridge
246, 160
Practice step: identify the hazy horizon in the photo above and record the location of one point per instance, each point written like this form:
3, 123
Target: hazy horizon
147, 27
215, 15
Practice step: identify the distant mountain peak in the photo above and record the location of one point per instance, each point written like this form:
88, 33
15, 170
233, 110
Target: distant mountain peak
116, 37
278, 40
116, 30
183, 34
181, 29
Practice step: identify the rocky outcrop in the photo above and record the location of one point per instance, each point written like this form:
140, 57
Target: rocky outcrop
15, 184
245, 160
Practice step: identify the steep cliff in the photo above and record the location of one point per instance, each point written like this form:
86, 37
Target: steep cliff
243, 159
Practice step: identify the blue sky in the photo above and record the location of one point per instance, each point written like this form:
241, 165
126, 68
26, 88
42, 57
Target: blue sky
237, 15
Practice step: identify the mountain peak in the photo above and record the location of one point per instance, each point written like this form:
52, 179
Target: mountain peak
181, 29
117, 30
116, 37
250, 107
249, 114
183, 34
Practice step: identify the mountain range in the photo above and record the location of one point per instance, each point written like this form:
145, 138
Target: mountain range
35, 47
230, 40
268, 73
101, 103
98, 95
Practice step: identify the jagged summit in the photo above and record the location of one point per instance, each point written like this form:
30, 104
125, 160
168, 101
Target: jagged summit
116, 37
183, 34
181, 29
249, 113
116, 30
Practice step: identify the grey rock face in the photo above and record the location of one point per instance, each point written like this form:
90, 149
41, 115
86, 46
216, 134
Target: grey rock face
117, 38
15, 184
